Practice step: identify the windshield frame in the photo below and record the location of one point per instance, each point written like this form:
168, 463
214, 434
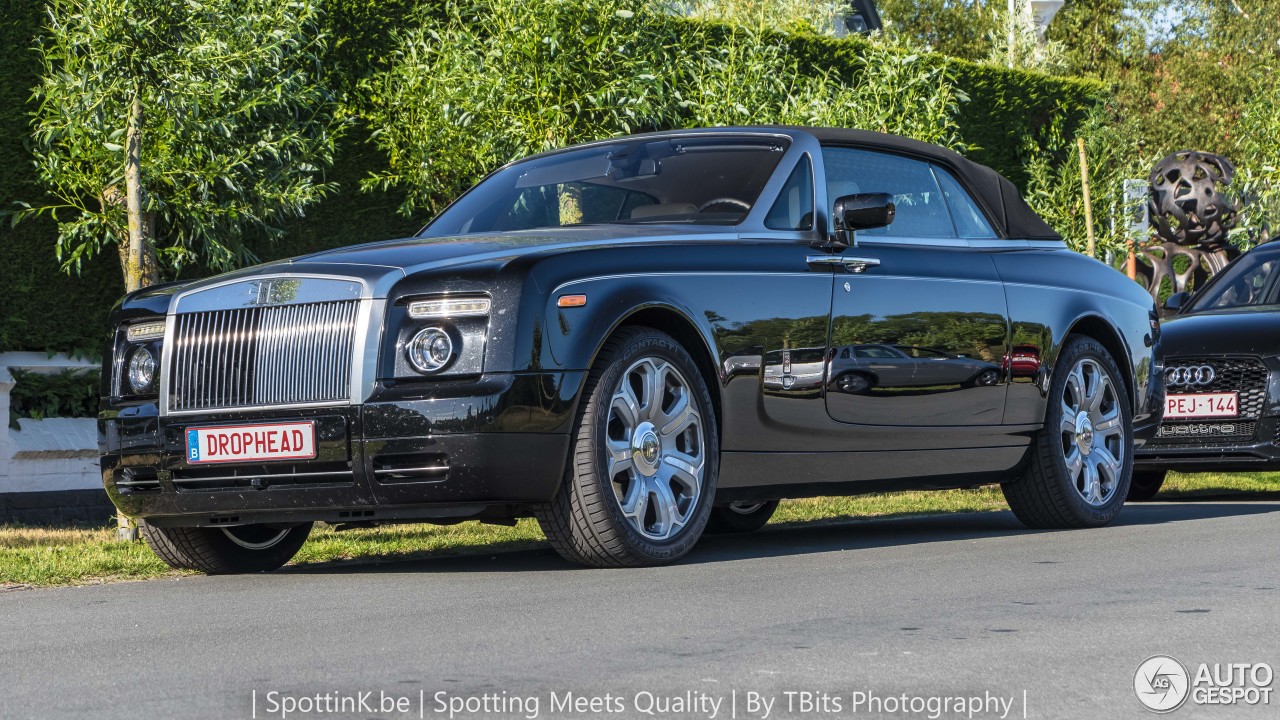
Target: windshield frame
797, 145
1249, 260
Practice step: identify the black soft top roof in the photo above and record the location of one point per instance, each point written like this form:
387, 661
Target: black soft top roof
1010, 214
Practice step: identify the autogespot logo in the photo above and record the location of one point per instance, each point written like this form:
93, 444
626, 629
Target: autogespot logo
1162, 684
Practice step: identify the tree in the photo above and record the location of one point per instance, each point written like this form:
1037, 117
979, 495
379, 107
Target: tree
169, 127
1095, 35
821, 16
959, 28
489, 81
1017, 42
1258, 150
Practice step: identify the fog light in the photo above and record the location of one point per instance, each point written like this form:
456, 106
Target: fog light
142, 370
430, 350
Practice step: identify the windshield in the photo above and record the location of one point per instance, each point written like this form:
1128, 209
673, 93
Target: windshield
1252, 280
700, 180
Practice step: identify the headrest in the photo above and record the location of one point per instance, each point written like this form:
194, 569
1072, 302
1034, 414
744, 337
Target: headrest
662, 210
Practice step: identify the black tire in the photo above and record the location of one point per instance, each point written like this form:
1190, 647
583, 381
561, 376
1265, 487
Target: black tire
852, 383
1048, 495
226, 551
585, 523
1145, 484
740, 517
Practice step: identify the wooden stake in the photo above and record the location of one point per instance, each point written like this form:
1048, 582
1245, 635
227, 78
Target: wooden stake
1088, 205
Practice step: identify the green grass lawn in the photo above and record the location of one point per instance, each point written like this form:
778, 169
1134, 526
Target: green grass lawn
41, 557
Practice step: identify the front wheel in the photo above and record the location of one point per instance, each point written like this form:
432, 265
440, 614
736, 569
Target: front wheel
1082, 459
644, 458
740, 517
226, 550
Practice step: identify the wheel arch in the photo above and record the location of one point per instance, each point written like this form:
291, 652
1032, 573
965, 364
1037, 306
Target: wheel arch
1102, 331
674, 322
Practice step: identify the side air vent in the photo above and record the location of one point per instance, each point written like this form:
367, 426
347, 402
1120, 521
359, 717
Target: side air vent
392, 469
138, 480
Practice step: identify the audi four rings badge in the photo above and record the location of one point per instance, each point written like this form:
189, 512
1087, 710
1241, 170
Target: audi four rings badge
1189, 375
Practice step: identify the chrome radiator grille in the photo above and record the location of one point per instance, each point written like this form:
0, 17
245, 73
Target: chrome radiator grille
274, 355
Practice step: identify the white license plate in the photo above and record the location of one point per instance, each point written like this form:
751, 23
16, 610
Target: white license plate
1207, 405
244, 443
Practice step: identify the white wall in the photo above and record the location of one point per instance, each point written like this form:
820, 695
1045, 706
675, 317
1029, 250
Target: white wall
51, 454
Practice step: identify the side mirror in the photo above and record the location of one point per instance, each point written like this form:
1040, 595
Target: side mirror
1177, 301
864, 211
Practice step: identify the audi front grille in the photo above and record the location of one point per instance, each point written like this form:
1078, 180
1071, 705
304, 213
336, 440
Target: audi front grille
1244, 375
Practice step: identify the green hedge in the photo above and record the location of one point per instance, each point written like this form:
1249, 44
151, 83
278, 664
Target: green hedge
70, 393
43, 309
1004, 105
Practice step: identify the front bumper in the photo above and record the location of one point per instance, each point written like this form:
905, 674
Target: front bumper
1260, 451
478, 448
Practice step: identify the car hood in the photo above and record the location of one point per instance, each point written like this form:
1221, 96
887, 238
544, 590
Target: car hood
1243, 331
411, 254
382, 264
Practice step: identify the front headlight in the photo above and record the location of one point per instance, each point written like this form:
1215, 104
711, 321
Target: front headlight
137, 361
142, 371
438, 337
430, 350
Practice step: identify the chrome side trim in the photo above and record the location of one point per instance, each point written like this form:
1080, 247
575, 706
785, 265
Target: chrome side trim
399, 471
692, 273
251, 476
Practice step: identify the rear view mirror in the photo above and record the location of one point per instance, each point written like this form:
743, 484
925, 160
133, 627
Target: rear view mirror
864, 211
1177, 301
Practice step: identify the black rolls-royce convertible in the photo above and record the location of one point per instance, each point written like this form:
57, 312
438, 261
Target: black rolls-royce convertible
615, 338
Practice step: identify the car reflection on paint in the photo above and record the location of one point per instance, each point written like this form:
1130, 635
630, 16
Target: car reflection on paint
859, 369
1023, 361
798, 370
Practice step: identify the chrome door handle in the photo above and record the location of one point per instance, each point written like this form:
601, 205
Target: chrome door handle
852, 264
859, 265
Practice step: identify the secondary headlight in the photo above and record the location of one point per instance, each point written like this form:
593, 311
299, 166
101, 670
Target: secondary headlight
430, 350
150, 330
449, 308
142, 371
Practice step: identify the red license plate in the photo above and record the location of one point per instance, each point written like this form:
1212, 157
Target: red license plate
1206, 405
247, 443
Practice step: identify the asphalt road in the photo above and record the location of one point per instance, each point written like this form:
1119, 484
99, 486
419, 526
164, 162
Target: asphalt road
963, 605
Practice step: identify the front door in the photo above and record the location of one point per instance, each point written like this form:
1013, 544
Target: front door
919, 337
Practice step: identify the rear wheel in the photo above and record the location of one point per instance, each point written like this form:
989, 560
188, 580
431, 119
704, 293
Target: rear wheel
1082, 459
1145, 485
740, 517
642, 473
226, 550
852, 383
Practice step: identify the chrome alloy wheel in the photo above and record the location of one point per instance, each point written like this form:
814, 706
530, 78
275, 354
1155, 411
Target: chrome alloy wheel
255, 537
1092, 444
656, 451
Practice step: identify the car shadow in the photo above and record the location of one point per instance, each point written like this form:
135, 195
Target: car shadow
798, 538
